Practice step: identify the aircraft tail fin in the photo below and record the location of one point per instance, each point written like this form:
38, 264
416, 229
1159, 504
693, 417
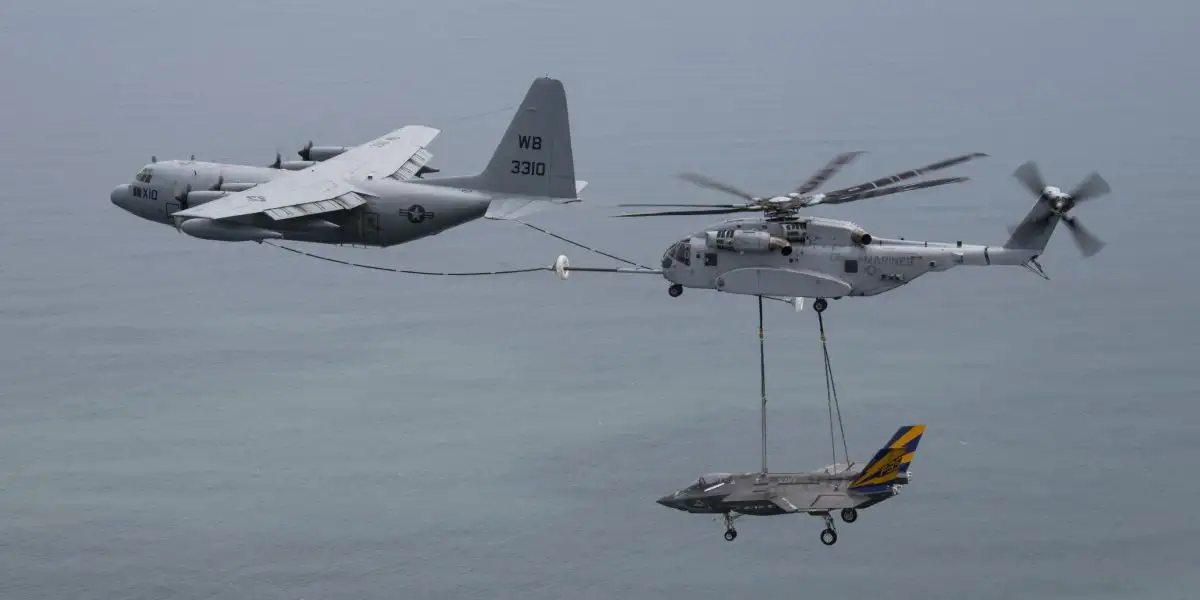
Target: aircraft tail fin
889, 466
533, 166
1034, 231
534, 158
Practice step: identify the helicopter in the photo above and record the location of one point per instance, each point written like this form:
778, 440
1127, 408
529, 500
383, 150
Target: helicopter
786, 256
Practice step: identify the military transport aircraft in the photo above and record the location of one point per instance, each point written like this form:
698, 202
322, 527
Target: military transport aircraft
368, 194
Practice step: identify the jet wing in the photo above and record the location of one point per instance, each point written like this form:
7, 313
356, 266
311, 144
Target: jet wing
327, 186
784, 504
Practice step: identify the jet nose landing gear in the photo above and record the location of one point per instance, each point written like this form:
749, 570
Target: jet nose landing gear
730, 532
675, 290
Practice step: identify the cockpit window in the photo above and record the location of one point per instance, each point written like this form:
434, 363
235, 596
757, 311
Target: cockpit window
709, 480
682, 252
144, 175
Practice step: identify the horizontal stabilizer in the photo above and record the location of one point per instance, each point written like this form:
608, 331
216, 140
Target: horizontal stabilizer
517, 207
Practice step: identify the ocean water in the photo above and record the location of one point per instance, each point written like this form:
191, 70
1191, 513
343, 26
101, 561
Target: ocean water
189, 419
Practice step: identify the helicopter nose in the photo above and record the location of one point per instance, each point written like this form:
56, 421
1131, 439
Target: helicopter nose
120, 196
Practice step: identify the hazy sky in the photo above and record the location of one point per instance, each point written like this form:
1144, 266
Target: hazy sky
190, 419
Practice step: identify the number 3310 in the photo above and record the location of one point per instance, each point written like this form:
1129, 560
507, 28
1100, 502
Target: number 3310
524, 167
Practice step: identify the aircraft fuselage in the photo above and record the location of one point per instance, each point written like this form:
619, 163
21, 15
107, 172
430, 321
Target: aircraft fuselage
814, 257
396, 212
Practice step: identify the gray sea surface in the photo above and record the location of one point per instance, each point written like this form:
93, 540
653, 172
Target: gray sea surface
191, 419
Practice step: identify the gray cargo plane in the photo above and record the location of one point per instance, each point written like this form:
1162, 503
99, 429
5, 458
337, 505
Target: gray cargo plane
368, 194
836, 487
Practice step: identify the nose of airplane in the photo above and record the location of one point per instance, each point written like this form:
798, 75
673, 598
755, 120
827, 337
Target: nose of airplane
120, 195
668, 501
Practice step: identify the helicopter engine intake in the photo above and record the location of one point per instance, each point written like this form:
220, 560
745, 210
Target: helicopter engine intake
745, 241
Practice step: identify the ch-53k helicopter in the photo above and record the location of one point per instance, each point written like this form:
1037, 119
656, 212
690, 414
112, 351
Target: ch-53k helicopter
787, 256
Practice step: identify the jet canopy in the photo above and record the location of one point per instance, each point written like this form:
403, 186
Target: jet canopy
710, 479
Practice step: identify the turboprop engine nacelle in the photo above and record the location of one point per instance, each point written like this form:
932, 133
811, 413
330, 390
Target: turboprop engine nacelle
746, 241
236, 187
201, 196
208, 229
320, 153
296, 165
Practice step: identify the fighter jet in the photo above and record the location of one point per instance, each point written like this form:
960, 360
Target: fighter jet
817, 493
367, 195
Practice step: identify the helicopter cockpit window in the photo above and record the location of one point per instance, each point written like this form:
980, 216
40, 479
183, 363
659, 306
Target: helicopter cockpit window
682, 252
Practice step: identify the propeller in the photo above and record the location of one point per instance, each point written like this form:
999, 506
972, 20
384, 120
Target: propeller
306, 151
182, 196
804, 196
278, 161
220, 181
1060, 203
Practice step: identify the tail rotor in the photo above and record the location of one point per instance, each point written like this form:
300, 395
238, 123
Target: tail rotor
1059, 203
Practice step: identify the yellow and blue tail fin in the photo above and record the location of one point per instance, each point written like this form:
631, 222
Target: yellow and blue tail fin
889, 467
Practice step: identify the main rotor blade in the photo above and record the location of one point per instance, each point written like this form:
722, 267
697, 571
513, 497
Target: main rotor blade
1093, 186
1031, 177
693, 205
702, 181
1088, 243
829, 170
898, 177
875, 193
721, 211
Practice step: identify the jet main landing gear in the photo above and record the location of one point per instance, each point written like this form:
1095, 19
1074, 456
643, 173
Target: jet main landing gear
829, 536
849, 515
675, 290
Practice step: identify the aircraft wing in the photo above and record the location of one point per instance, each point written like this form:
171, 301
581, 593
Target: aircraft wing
784, 504
327, 186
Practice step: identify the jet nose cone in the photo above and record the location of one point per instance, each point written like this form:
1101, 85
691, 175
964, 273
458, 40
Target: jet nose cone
119, 195
669, 501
